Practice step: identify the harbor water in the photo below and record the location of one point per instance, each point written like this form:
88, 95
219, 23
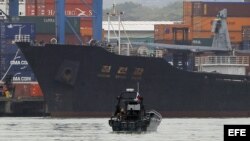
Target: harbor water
97, 129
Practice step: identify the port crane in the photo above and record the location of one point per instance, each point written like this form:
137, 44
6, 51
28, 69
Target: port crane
61, 18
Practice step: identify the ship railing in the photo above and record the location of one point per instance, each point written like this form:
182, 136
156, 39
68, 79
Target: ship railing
222, 60
136, 50
22, 38
157, 114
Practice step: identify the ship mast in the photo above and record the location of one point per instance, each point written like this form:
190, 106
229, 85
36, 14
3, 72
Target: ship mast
114, 13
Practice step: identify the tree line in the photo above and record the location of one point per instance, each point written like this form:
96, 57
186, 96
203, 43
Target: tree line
137, 12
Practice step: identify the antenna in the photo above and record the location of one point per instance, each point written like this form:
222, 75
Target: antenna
138, 87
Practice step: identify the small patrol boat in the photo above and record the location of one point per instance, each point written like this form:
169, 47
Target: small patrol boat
130, 114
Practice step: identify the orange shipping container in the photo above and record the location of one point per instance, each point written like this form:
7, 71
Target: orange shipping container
86, 31
86, 23
159, 32
203, 34
187, 12
165, 32
233, 23
208, 8
235, 36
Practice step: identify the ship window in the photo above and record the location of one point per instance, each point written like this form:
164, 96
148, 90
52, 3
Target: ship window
133, 107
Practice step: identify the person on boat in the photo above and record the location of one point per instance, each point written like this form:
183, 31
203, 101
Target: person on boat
1, 91
138, 98
121, 114
6, 92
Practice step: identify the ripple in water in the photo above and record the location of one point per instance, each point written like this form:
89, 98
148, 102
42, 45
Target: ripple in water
97, 129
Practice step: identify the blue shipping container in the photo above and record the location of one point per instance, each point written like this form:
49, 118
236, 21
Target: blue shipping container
13, 63
11, 29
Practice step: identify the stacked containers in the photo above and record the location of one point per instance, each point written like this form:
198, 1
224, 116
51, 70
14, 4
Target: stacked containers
45, 28
12, 60
198, 16
203, 14
72, 8
164, 33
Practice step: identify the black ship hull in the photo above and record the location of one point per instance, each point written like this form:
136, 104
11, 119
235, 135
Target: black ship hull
84, 81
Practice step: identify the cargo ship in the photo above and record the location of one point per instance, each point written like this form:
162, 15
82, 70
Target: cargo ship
82, 80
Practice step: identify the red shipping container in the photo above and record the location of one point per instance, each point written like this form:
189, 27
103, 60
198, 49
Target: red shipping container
53, 1
27, 90
47, 8
70, 1
30, 10
35, 90
86, 23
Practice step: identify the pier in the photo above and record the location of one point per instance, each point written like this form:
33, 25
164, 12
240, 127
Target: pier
23, 106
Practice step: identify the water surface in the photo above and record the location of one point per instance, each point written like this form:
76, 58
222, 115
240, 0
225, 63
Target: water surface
97, 129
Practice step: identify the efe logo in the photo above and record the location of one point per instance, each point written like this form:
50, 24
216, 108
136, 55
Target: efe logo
236, 132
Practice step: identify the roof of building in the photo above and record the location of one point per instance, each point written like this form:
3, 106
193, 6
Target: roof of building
135, 25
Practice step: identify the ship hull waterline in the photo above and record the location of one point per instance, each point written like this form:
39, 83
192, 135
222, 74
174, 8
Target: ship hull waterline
84, 81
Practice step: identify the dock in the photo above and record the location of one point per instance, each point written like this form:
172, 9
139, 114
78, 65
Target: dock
23, 106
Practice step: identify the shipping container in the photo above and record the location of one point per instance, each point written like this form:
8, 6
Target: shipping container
246, 32
12, 62
171, 32
46, 24
246, 45
47, 8
27, 90
204, 34
86, 32
67, 1
11, 30
202, 41
86, 23
235, 37
233, 23
15, 64
210, 9
160, 31
164, 41
187, 12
